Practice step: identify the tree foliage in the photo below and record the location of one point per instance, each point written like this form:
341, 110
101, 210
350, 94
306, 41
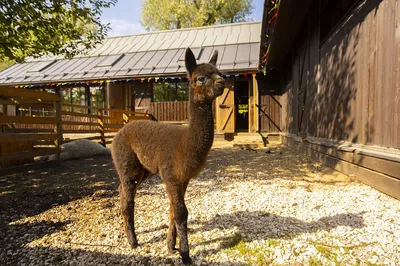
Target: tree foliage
39, 27
170, 92
5, 63
175, 14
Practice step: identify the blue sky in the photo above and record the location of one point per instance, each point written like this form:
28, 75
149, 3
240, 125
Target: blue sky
125, 15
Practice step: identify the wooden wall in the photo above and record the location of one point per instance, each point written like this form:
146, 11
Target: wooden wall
347, 88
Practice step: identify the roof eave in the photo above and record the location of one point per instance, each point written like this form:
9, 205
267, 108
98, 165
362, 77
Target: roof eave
291, 16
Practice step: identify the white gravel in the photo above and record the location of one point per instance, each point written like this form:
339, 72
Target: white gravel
247, 207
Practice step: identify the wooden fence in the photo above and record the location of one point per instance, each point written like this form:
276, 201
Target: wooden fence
170, 111
21, 148
100, 124
22, 138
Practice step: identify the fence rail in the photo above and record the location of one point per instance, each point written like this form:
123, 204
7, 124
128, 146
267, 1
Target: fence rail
22, 138
20, 148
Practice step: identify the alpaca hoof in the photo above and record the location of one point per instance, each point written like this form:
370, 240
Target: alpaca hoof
134, 245
172, 250
187, 261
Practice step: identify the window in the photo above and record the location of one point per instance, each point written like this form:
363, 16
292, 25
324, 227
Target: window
40, 66
170, 92
97, 96
109, 61
88, 96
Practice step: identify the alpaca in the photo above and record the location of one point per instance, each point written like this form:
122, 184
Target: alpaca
177, 153
77, 149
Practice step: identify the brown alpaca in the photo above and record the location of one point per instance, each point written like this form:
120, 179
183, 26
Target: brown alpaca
176, 153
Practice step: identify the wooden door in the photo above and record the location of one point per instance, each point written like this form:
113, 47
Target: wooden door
225, 105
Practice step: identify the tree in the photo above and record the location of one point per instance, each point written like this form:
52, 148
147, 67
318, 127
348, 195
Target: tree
5, 63
176, 14
39, 27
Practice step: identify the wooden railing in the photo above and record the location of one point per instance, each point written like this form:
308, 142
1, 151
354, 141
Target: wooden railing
18, 148
24, 137
99, 122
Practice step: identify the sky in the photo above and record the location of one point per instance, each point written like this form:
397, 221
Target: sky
125, 15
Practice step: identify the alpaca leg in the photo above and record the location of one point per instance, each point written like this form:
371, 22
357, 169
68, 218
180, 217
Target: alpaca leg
176, 196
131, 174
128, 189
171, 235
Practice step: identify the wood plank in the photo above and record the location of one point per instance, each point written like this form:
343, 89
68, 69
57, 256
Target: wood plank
38, 143
32, 130
58, 127
77, 114
10, 137
77, 131
111, 130
11, 92
27, 167
26, 102
88, 138
28, 154
384, 166
27, 120
80, 106
113, 126
78, 123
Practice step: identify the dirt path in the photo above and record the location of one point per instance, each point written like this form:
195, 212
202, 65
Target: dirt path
248, 207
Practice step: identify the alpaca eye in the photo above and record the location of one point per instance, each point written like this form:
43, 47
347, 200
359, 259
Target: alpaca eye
201, 79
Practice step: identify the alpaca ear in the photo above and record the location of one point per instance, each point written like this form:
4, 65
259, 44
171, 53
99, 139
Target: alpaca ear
190, 61
214, 58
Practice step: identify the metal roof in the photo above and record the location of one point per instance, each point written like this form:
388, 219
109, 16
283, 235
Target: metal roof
147, 54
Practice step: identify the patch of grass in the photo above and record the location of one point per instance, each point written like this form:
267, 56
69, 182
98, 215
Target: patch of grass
253, 256
233, 241
273, 243
314, 261
329, 253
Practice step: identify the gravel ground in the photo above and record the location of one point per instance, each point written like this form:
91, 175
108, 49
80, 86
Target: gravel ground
248, 207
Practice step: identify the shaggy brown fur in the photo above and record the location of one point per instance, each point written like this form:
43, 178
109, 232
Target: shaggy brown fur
176, 153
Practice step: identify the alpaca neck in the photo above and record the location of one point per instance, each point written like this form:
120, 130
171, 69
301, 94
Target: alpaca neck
200, 134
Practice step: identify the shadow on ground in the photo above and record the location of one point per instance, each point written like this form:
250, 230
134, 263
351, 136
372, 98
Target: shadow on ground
32, 193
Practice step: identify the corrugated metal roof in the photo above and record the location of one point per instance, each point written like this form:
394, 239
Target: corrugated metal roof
147, 54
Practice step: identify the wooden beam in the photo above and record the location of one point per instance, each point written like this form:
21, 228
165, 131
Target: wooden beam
78, 114
113, 125
78, 123
77, 131
27, 120
39, 95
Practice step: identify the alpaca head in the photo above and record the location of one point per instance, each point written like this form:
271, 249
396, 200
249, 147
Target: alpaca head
205, 79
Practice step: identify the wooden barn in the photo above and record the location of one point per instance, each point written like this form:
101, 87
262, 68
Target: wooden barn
336, 66
146, 73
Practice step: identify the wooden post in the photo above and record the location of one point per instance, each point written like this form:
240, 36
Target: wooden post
255, 103
5, 112
100, 124
58, 127
125, 119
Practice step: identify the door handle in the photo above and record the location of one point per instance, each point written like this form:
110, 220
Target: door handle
223, 106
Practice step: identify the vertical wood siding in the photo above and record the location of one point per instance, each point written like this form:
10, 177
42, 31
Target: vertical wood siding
352, 80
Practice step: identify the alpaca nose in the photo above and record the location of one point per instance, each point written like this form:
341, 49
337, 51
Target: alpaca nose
220, 81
